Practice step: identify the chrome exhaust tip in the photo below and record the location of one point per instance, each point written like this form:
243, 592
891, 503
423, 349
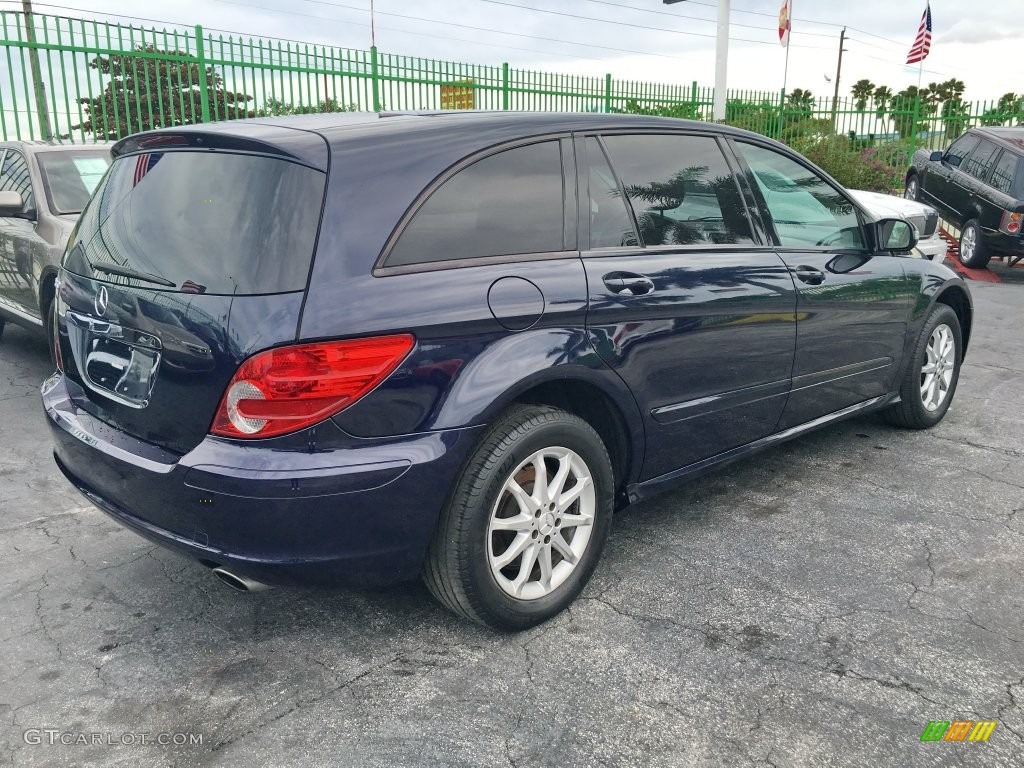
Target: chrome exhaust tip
239, 583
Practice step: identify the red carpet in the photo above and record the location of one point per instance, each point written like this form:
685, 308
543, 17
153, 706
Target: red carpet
981, 275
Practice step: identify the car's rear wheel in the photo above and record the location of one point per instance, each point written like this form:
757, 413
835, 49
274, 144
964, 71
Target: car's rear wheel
911, 190
972, 251
527, 521
932, 375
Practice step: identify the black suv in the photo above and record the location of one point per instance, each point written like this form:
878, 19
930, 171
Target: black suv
367, 347
978, 186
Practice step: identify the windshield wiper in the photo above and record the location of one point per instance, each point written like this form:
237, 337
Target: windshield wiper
114, 269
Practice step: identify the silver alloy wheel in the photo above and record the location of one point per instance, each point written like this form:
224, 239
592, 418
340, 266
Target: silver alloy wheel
968, 242
910, 193
937, 371
540, 527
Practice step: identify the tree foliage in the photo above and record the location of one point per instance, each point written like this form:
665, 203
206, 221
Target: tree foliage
1008, 109
275, 108
155, 90
862, 91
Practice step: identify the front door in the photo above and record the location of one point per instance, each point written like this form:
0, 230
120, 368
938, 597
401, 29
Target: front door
686, 304
853, 304
941, 188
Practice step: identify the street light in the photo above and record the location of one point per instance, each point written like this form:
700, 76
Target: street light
721, 56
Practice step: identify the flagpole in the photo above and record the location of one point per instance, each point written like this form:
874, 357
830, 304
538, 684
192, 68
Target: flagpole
785, 72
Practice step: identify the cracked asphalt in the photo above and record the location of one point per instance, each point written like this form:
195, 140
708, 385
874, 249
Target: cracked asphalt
815, 605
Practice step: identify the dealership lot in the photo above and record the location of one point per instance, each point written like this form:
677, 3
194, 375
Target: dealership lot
818, 604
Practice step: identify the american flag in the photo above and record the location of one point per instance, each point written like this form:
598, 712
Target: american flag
923, 41
143, 165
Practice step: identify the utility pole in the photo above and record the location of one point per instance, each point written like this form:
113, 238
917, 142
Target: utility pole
37, 75
721, 57
839, 69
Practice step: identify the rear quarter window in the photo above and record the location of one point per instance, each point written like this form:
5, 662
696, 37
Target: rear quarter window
1005, 176
508, 203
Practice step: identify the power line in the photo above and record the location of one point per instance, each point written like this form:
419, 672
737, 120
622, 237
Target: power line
355, 23
448, 24
675, 15
626, 24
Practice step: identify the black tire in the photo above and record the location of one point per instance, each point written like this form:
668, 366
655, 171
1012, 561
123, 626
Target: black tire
458, 568
977, 256
911, 412
912, 189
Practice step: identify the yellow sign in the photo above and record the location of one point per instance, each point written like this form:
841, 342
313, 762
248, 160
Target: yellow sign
458, 95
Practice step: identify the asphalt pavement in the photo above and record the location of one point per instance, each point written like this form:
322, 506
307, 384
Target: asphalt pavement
815, 605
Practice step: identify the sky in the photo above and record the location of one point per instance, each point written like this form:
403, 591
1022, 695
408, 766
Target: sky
977, 41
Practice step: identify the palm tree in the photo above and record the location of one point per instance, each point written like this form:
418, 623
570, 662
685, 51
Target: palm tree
800, 100
882, 95
863, 90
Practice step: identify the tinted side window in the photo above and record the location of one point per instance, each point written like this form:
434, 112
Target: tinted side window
960, 148
980, 161
1004, 174
14, 178
508, 203
610, 223
805, 209
681, 189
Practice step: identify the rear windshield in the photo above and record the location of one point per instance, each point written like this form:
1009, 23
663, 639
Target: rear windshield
71, 176
201, 222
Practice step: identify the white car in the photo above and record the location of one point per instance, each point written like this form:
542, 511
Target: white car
930, 246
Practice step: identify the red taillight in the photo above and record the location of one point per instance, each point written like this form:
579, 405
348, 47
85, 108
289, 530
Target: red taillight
1011, 222
290, 388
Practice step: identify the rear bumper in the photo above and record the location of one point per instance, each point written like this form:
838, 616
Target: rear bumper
1003, 244
363, 514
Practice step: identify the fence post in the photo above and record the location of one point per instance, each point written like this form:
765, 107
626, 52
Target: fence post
917, 112
504, 85
608, 92
374, 78
204, 86
693, 100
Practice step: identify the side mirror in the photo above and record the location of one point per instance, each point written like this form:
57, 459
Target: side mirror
936, 156
11, 203
895, 235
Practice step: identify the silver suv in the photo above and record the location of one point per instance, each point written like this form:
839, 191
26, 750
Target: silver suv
43, 188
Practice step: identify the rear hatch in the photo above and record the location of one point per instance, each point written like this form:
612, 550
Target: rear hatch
193, 254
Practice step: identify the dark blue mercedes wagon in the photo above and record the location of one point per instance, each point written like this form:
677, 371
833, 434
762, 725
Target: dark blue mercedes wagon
364, 348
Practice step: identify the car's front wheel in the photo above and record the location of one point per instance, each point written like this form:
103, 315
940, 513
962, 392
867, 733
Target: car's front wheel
932, 375
526, 524
911, 190
972, 251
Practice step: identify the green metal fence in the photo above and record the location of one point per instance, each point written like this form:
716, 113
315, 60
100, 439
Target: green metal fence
80, 80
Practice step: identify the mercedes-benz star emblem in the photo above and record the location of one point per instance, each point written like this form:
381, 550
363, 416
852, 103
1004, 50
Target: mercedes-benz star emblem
100, 302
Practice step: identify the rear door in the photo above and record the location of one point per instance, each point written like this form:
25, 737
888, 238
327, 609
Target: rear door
687, 303
20, 246
183, 264
853, 304
978, 196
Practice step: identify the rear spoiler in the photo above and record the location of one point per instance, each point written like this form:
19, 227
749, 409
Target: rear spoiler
300, 146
